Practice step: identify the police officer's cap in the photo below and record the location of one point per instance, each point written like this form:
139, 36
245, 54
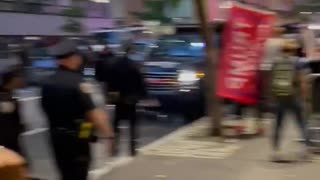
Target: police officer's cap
63, 49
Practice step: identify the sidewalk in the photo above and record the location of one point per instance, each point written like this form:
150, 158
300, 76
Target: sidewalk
188, 155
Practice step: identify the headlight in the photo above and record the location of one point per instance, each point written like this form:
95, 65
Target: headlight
187, 76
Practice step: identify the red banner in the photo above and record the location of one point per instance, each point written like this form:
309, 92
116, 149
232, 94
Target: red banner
243, 43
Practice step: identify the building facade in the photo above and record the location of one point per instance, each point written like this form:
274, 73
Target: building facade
123, 9
185, 12
47, 17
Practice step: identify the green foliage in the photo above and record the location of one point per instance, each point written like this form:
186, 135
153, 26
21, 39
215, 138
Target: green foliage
72, 26
155, 10
173, 3
74, 12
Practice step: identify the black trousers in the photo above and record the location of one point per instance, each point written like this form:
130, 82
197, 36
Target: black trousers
127, 112
13, 145
72, 156
282, 108
11, 142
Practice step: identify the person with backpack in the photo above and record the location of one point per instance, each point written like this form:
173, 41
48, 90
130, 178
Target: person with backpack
289, 87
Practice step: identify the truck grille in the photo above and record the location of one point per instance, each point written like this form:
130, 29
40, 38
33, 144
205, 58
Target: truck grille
161, 81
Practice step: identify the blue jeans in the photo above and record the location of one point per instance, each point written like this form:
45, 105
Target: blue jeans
281, 109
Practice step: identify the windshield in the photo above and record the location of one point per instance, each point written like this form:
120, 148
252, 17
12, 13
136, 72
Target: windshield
112, 37
179, 46
140, 47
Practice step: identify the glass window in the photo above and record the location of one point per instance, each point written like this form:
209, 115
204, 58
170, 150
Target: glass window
179, 46
112, 37
6, 6
39, 56
49, 2
39, 1
95, 9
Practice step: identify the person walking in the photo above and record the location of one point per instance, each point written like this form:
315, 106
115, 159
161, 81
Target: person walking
289, 92
11, 125
103, 70
128, 88
273, 48
72, 114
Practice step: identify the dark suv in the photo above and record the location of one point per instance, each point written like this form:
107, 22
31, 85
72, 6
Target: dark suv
174, 74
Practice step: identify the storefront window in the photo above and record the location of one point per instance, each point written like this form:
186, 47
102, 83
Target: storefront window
6, 6
91, 9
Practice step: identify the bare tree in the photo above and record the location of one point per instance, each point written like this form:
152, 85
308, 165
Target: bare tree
213, 102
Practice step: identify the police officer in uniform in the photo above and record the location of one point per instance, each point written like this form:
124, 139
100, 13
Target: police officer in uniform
10, 121
72, 114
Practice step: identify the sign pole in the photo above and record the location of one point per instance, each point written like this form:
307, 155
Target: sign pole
213, 102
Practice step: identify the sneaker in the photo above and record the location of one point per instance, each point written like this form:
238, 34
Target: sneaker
305, 155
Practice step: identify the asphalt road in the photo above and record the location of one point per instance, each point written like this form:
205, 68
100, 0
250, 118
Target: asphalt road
37, 145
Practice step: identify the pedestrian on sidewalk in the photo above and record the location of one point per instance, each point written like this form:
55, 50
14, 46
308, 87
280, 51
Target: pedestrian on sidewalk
11, 125
273, 48
128, 88
72, 113
289, 86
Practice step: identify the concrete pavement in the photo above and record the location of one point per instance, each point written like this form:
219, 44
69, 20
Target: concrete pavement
248, 160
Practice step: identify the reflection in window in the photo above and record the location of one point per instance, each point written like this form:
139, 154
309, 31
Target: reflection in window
6, 6
179, 46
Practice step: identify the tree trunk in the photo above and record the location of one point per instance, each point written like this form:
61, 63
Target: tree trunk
213, 102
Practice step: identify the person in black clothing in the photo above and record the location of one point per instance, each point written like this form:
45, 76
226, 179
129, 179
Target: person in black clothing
72, 114
11, 125
103, 68
127, 84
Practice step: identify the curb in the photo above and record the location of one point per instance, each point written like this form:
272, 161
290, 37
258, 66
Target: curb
97, 174
180, 131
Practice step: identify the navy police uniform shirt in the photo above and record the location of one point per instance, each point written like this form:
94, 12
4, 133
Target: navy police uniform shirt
66, 99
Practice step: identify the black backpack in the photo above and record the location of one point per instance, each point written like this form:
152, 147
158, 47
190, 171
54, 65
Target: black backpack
284, 76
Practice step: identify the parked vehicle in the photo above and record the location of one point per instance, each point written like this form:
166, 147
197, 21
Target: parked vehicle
175, 69
174, 74
142, 49
114, 38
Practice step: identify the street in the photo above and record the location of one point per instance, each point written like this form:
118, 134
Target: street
37, 145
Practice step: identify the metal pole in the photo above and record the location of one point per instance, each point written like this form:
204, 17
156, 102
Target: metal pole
213, 102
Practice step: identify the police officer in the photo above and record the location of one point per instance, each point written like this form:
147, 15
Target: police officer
10, 121
66, 100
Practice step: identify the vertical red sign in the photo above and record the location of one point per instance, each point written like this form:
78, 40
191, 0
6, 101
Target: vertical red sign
245, 33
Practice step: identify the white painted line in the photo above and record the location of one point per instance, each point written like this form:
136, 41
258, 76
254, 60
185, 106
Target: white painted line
34, 131
161, 176
176, 133
97, 174
30, 98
